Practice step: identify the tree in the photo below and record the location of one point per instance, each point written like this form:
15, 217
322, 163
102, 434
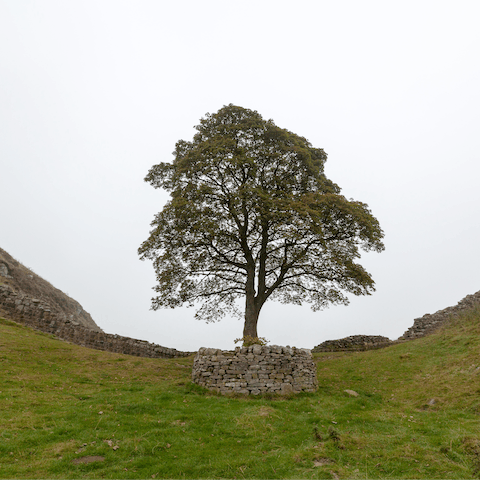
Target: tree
253, 215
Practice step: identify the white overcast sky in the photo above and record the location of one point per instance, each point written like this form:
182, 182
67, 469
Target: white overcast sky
93, 93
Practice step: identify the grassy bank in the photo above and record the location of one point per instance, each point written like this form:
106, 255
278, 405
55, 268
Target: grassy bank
416, 414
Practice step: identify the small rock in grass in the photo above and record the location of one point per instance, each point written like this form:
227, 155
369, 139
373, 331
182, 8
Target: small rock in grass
353, 393
89, 459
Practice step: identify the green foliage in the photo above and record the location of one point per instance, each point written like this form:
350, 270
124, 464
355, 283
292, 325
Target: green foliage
249, 340
253, 215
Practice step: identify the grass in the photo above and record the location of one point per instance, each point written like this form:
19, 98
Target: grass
416, 415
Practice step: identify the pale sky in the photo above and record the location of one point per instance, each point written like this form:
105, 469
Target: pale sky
95, 92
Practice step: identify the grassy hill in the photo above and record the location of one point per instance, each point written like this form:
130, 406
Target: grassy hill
416, 414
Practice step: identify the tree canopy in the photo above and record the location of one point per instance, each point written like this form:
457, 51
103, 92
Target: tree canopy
253, 215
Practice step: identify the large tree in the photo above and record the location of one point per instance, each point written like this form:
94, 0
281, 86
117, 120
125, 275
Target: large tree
253, 215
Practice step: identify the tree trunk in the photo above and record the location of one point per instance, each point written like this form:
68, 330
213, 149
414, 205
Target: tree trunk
251, 317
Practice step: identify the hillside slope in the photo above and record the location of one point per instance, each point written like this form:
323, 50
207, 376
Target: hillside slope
22, 279
415, 414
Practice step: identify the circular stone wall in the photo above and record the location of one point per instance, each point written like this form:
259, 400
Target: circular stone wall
256, 369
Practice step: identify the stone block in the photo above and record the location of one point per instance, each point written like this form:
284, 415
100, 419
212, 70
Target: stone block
256, 349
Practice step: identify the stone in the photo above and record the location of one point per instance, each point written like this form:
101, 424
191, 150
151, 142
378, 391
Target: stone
88, 459
256, 349
306, 351
352, 393
286, 389
4, 271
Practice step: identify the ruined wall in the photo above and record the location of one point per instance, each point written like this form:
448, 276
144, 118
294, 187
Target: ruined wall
421, 327
355, 343
38, 315
430, 322
22, 279
256, 369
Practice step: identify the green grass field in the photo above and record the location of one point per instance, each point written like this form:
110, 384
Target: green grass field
416, 416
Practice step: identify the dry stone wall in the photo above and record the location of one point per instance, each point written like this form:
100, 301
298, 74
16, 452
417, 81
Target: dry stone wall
22, 279
38, 315
430, 322
421, 327
355, 343
256, 369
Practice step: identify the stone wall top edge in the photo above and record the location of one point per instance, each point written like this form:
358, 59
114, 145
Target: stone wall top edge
256, 350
